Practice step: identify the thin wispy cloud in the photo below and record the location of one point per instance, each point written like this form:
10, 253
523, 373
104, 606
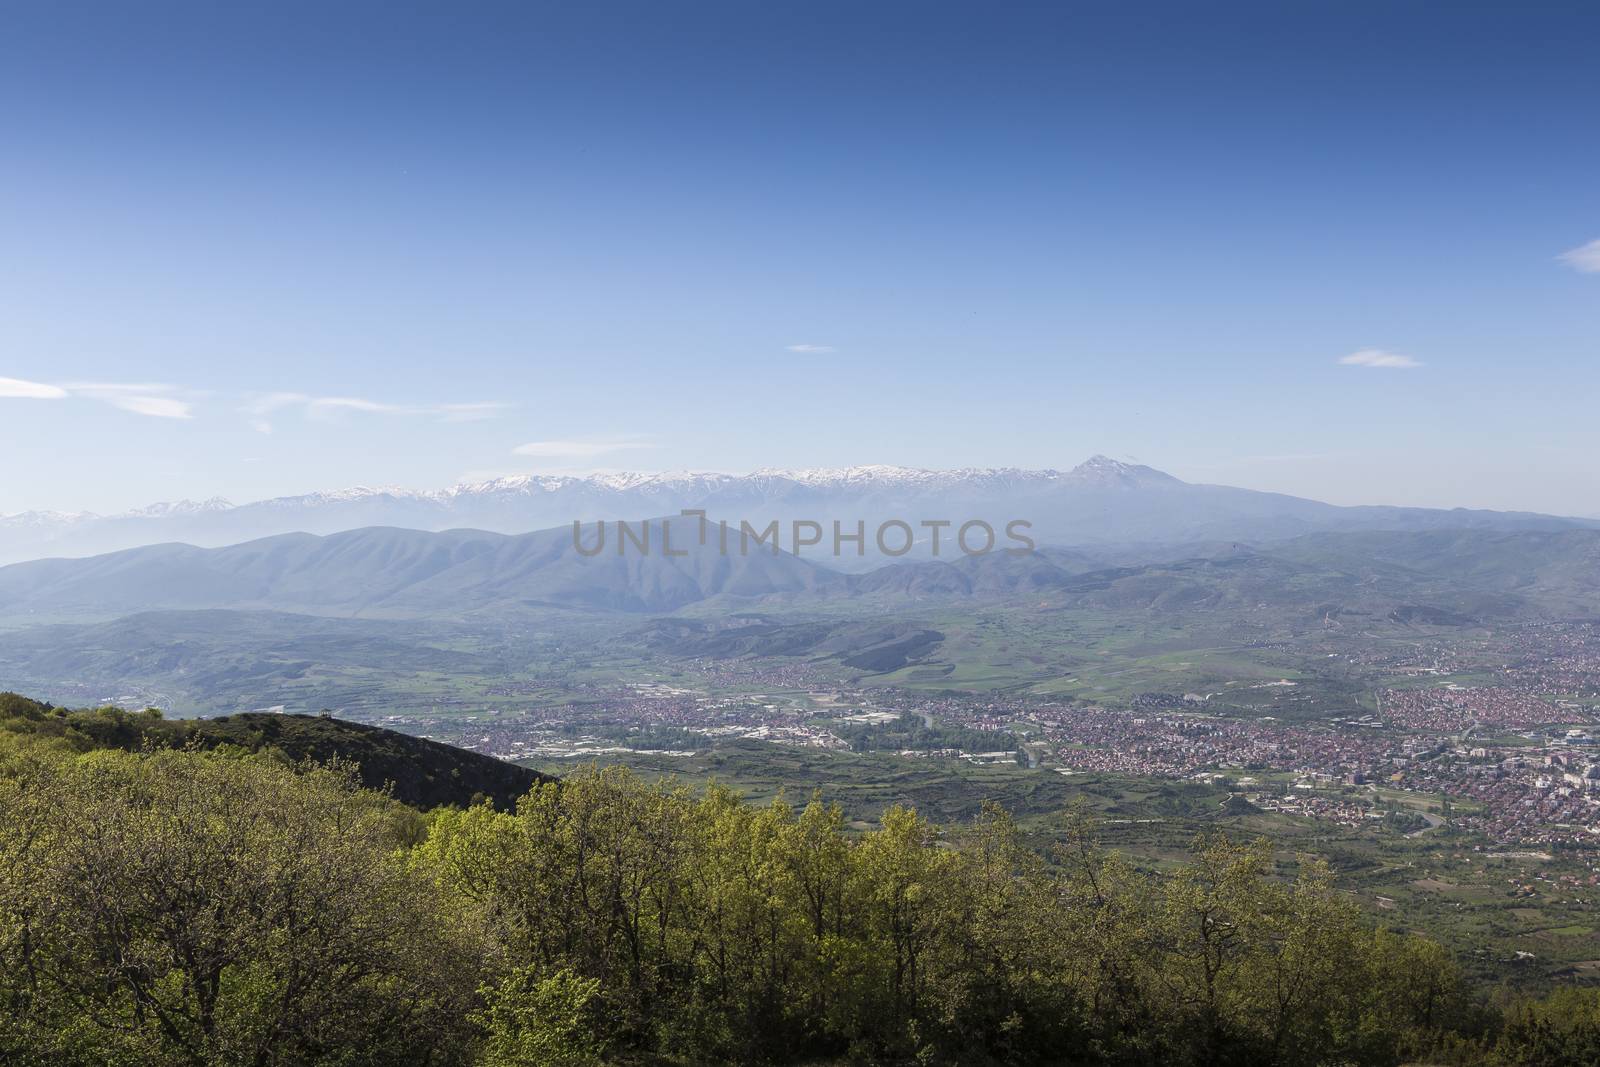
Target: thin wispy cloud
156, 407
331, 408
270, 403
324, 404
812, 348
317, 406
159, 400
150, 399
1377, 357
578, 449
1585, 258
18, 389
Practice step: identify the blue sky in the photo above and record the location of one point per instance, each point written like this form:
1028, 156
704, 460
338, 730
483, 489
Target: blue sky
254, 252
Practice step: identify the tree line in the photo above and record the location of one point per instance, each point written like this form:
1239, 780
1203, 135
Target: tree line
173, 906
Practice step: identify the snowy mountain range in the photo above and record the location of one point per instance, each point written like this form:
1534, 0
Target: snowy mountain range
1100, 501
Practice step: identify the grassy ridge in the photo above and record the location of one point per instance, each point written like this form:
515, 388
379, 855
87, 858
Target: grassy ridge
421, 773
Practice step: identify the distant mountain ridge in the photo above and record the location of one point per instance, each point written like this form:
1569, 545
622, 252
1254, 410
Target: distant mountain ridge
386, 573
378, 618
1100, 501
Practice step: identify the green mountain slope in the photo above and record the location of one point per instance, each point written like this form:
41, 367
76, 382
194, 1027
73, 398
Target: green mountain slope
422, 773
386, 572
383, 573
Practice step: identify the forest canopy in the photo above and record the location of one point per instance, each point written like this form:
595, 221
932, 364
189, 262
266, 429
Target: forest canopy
186, 906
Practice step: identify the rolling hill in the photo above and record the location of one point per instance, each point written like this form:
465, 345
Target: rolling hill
421, 773
455, 575
385, 572
378, 620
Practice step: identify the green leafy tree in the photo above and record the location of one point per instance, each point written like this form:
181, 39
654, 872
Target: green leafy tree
175, 908
1562, 1030
535, 1020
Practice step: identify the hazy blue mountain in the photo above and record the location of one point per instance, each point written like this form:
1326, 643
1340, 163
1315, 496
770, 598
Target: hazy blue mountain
1099, 502
1485, 570
991, 574
387, 572
381, 618
384, 572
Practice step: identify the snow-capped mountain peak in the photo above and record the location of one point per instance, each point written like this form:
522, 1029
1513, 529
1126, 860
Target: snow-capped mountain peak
180, 507
865, 476
1104, 471
1102, 500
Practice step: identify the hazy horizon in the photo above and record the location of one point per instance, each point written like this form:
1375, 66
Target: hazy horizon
625, 474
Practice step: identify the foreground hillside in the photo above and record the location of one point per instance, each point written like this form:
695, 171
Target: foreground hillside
421, 773
164, 906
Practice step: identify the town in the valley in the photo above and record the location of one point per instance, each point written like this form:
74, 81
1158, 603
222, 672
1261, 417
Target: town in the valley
1512, 752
